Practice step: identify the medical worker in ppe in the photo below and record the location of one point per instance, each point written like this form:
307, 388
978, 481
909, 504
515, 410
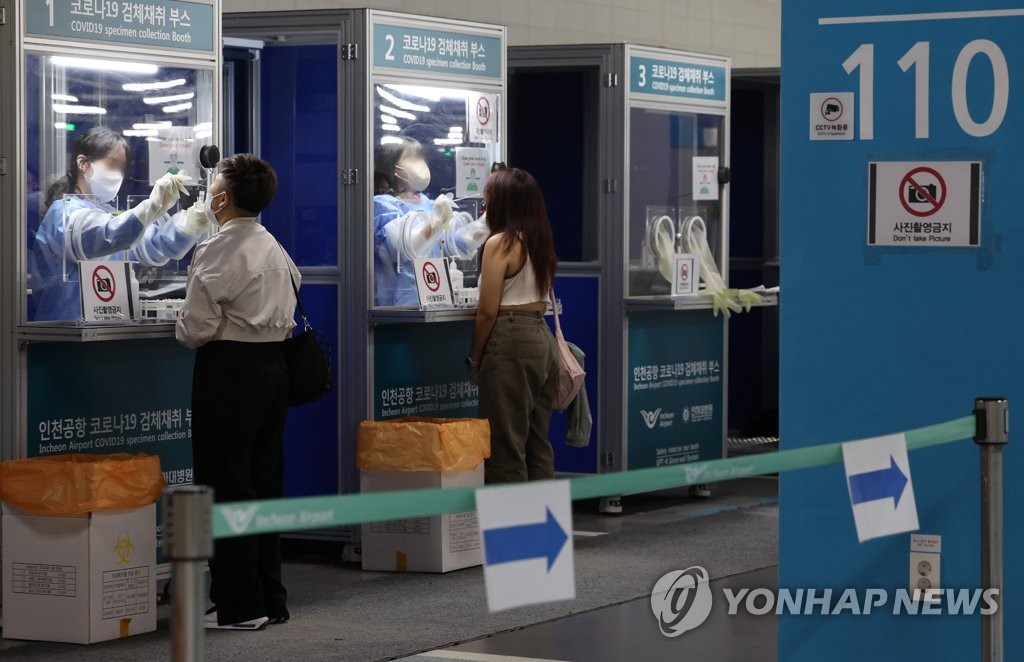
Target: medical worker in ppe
88, 228
407, 224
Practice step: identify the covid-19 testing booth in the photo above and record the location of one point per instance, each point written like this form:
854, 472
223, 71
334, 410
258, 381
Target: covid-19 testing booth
631, 147
94, 89
339, 102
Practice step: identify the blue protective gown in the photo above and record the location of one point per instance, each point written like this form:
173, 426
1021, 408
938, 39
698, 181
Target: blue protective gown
96, 233
390, 286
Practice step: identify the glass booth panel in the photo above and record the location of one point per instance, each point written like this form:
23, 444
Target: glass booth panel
429, 142
674, 196
100, 134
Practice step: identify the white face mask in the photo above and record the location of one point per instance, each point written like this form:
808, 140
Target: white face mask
209, 209
414, 173
104, 183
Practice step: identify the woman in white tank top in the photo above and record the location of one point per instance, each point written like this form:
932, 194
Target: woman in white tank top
512, 357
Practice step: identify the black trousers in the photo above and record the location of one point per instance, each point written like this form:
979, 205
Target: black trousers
239, 405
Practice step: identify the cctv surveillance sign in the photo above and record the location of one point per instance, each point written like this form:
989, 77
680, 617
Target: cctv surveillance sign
831, 115
924, 204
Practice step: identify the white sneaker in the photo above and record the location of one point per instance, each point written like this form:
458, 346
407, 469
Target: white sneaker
610, 505
700, 491
253, 624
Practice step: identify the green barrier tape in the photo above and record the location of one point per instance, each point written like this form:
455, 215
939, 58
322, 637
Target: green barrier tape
256, 517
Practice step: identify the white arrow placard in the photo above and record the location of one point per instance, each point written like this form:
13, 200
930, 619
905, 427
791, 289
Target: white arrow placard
881, 491
527, 543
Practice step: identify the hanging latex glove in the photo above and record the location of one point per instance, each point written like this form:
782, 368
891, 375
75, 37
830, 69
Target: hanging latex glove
748, 298
194, 221
723, 302
164, 195
665, 250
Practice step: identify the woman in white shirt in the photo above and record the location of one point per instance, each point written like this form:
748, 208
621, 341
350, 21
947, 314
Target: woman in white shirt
512, 357
239, 306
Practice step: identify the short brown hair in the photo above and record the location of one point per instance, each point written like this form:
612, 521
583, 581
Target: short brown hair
250, 180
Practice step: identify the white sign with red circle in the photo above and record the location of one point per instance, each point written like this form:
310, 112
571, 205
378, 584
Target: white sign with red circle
106, 290
432, 283
687, 275
831, 115
924, 204
483, 118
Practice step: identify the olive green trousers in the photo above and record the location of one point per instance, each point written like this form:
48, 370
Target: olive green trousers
518, 378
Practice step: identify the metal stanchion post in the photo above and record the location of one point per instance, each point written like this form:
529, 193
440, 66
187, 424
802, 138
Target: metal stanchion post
992, 434
189, 545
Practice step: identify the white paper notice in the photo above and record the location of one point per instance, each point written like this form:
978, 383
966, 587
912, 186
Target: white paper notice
705, 178
471, 171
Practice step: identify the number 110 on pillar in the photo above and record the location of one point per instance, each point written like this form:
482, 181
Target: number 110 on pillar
862, 62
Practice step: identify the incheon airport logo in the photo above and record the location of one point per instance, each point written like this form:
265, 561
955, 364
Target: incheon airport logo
681, 601
650, 417
239, 519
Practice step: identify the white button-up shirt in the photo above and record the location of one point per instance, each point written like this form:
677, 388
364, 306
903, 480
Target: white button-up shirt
239, 288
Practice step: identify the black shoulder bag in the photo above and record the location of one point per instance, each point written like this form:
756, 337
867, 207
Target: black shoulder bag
308, 356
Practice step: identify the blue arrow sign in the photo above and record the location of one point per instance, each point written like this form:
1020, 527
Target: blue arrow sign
527, 541
877, 485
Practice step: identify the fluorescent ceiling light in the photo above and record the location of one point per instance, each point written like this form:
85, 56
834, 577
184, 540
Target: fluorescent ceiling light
430, 93
390, 127
203, 126
155, 101
104, 65
152, 125
149, 87
178, 108
402, 103
388, 119
455, 129
78, 110
140, 132
60, 125
391, 140
447, 141
397, 113
64, 97
203, 134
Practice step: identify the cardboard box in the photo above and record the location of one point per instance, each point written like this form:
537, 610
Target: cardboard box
79, 579
423, 544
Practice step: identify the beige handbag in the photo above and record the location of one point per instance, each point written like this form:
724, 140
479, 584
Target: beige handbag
570, 374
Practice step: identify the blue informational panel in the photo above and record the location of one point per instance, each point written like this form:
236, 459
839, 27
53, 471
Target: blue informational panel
879, 339
300, 140
436, 51
674, 384
311, 438
420, 370
678, 79
113, 397
163, 23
